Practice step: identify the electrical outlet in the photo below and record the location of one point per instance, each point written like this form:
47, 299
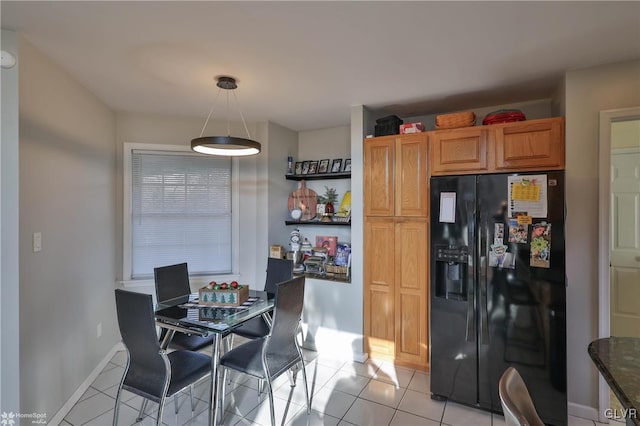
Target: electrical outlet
37, 241
99, 330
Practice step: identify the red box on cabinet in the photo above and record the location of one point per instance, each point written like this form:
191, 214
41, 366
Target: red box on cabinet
411, 128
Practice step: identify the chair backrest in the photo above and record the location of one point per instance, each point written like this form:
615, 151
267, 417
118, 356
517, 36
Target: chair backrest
147, 368
278, 270
517, 404
281, 347
171, 282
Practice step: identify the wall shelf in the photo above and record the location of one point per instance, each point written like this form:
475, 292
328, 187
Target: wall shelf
320, 176
316, 222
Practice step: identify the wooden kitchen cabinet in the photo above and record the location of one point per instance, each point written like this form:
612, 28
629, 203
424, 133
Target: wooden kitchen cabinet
396, 289
396, 264
459, 151
379, 294
395, 175
498, 148
535, 145
411, 311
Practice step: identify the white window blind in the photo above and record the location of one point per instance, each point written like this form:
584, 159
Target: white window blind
180, 212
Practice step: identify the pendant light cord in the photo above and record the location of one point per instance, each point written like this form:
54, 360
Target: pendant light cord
210, 112
241, 115
244, 123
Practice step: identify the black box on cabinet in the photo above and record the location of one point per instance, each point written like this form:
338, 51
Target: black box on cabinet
389, 125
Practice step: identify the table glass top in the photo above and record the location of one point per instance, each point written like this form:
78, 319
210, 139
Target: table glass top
186, 312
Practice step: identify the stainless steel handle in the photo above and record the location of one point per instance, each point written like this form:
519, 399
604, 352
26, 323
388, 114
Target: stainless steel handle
470, 329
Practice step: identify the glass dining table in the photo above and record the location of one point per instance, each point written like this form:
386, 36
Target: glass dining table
186, 315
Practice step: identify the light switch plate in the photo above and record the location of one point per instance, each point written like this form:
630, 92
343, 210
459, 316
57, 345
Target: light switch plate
37, 241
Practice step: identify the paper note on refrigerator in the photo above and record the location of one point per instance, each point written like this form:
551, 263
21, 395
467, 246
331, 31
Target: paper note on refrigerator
448, 207
528, 194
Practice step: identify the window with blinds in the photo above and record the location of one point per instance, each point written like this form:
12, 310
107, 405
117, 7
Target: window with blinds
180, 212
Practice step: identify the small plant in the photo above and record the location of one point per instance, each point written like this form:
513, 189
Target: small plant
330, 196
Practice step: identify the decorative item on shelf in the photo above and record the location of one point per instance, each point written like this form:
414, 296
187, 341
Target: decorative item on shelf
296, 252
298, 169
306, 248
304, 199
345, 205
276, 251
330, 196
456, 120
408, 128
336, 165
389, 125
347, 166
323, 167
225, 145
503, 116
313, 167
327, 242
289, 165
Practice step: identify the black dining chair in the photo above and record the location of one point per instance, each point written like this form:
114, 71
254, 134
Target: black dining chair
278, 270
516, 402
151, 372
172, 284
269, 357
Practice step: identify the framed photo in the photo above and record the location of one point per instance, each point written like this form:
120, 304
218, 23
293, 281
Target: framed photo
347, 165
323, 167
336, 165
298, 169
305, 167
313, 167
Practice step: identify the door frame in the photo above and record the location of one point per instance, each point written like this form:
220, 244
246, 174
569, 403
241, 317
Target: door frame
607, 117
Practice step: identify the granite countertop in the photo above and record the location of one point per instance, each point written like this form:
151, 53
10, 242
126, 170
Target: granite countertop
618, 359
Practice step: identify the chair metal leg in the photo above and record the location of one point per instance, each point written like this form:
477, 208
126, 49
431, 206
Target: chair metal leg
193, 405
306, 387
175, 403
160, 411
143, 407
116, 409
224, 390
271, 407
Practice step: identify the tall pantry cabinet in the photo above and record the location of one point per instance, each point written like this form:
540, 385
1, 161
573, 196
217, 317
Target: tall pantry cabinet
396, 261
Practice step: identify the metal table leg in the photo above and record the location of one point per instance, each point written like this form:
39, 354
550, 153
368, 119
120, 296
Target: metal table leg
214, 415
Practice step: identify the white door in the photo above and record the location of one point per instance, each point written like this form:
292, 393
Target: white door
625, 242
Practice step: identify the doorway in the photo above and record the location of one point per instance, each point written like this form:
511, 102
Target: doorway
619, 226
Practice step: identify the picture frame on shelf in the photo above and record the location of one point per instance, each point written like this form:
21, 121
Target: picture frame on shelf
313, 167
347, 166
305, 167
336, 165
323, 167
298, 168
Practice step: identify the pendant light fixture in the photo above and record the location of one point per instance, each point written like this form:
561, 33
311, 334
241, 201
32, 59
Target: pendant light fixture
225, 145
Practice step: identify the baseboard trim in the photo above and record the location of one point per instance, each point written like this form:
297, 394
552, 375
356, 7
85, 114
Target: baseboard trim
584, 411
62, 412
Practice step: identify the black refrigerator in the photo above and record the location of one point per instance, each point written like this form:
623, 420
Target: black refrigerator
498, 288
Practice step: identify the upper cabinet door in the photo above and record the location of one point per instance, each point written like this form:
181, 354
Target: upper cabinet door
379, 165
535, 144
459, 151
411, 175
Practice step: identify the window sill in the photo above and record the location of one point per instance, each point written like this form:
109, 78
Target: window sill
196, 282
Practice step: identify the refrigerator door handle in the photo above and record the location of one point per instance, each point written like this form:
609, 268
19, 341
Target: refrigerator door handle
482, 284
470, 333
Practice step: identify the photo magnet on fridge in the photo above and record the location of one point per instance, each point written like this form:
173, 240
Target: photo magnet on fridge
498, 256
517, 233
540, 245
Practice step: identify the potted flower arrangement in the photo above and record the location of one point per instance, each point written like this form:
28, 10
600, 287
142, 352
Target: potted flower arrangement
330, 196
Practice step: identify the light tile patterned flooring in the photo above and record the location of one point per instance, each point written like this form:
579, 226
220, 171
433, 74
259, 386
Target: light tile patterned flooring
342, 392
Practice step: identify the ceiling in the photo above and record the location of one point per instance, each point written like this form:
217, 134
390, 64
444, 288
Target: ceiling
303, 64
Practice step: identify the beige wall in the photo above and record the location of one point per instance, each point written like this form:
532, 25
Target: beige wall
625, 134
588, 92
67, 192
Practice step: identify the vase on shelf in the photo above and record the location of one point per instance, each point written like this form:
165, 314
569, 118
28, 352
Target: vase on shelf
329, 209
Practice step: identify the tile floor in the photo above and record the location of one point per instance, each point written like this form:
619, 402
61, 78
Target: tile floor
343, 393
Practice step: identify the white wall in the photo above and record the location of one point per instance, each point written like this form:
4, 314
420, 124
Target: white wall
9, 263
588, 92
282, 144
253, 181
67, 192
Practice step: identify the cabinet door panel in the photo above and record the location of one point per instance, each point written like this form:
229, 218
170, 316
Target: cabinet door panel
459, 150
379, 287
411, 175
534, 145
378, 177
411, 270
